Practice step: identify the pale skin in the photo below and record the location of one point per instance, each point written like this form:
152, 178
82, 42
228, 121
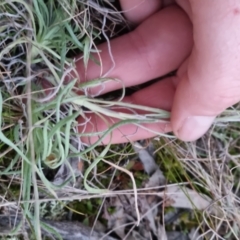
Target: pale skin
199, 39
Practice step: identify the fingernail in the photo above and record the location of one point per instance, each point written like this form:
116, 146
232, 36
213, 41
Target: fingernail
194, 127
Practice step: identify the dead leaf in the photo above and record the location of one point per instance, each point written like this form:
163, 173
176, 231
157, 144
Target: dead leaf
183, 197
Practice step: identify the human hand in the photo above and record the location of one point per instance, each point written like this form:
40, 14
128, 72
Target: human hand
206, 82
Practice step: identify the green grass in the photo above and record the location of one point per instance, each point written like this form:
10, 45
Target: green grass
39, 130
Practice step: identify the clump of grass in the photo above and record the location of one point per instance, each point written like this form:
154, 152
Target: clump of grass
36, 39
39, 130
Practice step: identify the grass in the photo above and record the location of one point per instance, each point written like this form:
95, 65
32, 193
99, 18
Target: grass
39, 132
209, 167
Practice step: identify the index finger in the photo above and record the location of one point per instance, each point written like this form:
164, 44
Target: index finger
158, 46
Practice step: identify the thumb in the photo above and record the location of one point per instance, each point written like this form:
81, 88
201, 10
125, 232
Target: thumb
209, 81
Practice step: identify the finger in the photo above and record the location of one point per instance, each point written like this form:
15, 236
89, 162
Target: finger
158, 46
211, 82
136, 11
159, 95
166, 3
185, 5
